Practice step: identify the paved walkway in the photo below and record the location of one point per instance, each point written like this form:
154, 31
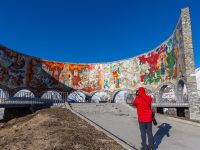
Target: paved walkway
121, 121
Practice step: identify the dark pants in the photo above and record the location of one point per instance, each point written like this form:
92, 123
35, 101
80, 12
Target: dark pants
146, 129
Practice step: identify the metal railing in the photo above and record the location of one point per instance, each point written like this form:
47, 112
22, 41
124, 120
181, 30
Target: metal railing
27, 98
161, 103
53, 98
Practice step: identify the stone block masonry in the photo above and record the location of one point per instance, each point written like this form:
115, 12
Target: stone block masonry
194, 101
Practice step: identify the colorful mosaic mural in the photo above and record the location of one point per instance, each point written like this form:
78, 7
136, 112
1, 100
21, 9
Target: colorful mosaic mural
12, 68
166, 73
164, 63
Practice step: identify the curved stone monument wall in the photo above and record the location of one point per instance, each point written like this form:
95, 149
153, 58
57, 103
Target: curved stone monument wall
163, 71
165, 63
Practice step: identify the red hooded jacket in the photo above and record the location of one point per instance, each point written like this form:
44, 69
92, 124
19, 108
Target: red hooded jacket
143, 104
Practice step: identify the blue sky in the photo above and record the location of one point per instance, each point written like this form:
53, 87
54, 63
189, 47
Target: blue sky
92, 30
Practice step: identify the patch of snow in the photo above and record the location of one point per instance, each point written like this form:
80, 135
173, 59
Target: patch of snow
197, 71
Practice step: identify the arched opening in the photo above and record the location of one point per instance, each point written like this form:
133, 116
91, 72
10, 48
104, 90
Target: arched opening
24, 93
52, 95
121, 96
130, 97
101, 97
166, 95
3, 95
150, 93
76, 96
182, 96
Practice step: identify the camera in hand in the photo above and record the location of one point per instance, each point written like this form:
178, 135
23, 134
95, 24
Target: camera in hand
154, 119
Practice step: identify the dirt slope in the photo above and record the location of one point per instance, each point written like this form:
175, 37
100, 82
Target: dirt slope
53, 129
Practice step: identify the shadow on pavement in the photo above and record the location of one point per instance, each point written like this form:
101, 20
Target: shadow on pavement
163, 130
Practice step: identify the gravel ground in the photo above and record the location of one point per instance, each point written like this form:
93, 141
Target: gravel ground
53, 129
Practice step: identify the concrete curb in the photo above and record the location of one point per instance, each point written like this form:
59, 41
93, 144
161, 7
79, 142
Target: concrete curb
183, 121
98, 127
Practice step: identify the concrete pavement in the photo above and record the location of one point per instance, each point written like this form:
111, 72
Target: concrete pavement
121, 121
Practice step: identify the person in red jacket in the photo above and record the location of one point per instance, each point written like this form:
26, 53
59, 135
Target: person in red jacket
143, 104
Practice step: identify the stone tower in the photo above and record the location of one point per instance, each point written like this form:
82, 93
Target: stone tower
191, 84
